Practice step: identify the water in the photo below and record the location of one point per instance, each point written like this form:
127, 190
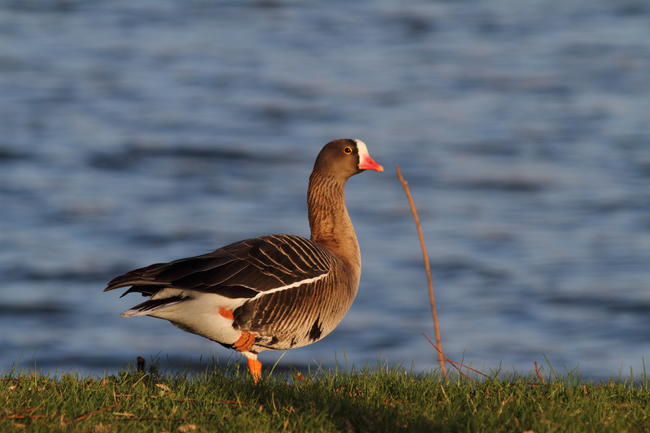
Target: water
140, 132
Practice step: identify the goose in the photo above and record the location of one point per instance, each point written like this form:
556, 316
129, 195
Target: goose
273, 292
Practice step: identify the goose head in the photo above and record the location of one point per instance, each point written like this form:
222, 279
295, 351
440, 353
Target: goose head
344, 158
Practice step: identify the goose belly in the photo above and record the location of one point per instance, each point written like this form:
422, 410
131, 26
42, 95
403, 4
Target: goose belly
200, 314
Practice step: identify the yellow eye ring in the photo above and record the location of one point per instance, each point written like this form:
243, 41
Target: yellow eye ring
347, 149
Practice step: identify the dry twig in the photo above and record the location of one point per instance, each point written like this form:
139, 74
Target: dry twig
427, 269
91, 413
25, 413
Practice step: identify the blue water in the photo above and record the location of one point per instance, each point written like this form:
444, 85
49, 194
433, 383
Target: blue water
140, 132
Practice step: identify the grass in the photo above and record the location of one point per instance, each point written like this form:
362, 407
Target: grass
379, 400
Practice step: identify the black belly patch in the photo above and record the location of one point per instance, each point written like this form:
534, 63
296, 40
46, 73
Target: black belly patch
315, 331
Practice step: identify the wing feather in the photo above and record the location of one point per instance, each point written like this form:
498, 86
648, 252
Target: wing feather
240, 270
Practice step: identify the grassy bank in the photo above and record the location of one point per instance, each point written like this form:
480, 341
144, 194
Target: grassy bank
367, 401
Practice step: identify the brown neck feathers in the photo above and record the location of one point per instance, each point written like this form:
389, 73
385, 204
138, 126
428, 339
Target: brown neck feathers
328, 218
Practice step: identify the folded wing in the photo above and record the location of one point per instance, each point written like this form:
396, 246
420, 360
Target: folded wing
245, 269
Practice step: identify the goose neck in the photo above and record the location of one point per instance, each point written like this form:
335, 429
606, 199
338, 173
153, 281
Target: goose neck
329, 220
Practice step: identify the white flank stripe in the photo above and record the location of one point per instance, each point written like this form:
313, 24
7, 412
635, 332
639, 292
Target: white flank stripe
290, 286
363, 150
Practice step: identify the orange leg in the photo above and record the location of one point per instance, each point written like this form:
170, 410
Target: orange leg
244, 342
255, 369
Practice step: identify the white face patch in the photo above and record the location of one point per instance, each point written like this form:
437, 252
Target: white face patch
363, 150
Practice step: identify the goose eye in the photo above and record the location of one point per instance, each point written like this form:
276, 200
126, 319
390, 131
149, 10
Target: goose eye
347, 149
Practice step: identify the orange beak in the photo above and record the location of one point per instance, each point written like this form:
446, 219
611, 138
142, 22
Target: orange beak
367, 163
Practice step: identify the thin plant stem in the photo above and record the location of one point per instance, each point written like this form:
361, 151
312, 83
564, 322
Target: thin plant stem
427, 269
454, 364
539, 374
